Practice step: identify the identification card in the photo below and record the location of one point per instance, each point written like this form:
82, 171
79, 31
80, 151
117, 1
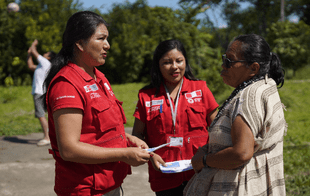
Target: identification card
175, 141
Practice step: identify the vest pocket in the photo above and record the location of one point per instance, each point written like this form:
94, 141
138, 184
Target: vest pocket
105, 116
154, 122
196, 116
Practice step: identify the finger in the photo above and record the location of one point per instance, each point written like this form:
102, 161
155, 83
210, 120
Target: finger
144, 146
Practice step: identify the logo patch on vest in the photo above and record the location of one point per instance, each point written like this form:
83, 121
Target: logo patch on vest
154, 102
89, 88
194, 96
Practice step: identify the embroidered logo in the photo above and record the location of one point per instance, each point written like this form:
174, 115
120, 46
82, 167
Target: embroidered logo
194, 96
66, 96
153, 109
94, 95
89, 88
107, 86
109, 89
154, 105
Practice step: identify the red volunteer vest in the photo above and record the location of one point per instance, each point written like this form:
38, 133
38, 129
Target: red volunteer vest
195, 103
102, 125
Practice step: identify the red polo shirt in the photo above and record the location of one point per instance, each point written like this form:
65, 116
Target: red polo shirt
102, 125
195, 102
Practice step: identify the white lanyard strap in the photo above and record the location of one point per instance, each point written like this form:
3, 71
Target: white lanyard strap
174, 113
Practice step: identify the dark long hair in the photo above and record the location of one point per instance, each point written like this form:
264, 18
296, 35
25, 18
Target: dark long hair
160, 51
80, 26
256, 49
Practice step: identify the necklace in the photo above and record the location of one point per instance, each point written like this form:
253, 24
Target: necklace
233, 94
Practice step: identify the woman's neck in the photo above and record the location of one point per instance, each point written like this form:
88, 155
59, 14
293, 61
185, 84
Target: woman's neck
84, 67
173, 89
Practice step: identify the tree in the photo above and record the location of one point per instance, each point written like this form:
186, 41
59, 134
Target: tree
136, 29
44, 20
291, 42
302, 9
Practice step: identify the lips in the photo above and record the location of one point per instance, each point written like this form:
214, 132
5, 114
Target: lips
175, 74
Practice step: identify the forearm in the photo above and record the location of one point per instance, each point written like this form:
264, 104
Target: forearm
228, 158
30, 63
91, 154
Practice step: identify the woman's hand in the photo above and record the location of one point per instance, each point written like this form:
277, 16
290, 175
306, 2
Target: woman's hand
156, 161
136, 156
136, 142
197, 160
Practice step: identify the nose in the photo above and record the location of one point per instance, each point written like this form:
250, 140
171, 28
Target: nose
106, 45
174, 65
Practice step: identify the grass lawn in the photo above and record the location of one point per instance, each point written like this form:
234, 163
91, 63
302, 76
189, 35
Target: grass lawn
17, 117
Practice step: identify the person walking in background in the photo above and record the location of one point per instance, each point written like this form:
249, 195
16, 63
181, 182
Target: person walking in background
86, 120
174, 107
40, 72
245, 153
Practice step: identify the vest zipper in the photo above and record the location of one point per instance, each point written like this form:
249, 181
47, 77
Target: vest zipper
189, 138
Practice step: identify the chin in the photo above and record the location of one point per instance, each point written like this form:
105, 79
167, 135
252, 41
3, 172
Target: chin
100, 63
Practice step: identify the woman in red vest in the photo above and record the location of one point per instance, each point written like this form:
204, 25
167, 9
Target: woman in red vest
86, 120
176, 107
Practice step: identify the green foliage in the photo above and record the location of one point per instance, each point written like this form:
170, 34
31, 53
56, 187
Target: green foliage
135, 31
291, 42
44, 20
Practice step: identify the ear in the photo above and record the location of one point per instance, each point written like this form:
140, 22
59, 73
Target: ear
254, 67
79, 45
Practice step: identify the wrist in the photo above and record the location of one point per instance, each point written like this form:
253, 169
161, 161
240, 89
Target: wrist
204, 160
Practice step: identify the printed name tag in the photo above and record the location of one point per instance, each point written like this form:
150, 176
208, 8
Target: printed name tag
175, 141
157, 102
154, 102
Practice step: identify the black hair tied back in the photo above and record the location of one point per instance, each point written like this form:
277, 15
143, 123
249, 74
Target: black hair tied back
276, 71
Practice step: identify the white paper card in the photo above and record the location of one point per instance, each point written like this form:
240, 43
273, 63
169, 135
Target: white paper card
176, 166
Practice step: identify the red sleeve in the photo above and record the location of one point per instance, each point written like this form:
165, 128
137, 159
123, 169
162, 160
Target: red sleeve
140, 110
210, 100
63, 94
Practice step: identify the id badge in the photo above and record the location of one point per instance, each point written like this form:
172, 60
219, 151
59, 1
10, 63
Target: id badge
175, 141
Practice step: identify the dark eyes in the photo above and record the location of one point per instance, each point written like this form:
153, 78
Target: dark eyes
169, 62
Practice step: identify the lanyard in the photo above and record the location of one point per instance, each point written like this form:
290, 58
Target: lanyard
174, 113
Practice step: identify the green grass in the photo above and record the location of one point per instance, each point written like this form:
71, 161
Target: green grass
17, 111
17, 108
295, 96
17, 118
128, 94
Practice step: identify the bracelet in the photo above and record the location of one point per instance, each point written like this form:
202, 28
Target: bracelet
204, 160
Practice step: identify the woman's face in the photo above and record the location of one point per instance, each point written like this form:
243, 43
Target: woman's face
172, 67
238, 72
95, 49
